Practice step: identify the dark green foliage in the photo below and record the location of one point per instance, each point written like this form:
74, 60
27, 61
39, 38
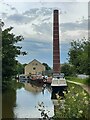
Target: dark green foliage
67, 69
46, 66
9, 53
20, 68
9, 100
79, 56
8, 103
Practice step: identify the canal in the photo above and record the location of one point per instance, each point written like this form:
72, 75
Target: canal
25, 102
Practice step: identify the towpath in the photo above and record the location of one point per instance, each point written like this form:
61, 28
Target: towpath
85, 87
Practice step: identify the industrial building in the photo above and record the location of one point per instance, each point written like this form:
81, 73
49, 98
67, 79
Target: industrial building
34, 68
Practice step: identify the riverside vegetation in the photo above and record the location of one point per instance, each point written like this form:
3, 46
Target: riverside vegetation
85, 81
75, 105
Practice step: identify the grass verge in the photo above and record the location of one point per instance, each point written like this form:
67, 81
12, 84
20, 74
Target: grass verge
85, 81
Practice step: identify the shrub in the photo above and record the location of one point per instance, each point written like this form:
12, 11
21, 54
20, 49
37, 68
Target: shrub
75, 105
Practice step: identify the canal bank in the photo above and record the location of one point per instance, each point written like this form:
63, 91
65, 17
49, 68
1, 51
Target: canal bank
29, 100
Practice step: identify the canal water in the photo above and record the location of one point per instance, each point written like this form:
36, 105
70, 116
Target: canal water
25, 102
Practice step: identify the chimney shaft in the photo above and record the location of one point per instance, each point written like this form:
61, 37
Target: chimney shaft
56, 52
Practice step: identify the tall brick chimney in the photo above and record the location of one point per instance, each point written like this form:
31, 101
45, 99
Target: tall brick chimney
56, 52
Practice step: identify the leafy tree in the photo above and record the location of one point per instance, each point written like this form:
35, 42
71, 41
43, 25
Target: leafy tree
20, 68
78, 55
46, 66
67, 69
9, 53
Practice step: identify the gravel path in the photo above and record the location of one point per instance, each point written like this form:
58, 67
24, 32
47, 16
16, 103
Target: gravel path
85, 87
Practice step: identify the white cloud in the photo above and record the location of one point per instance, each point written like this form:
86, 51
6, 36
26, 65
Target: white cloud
37, 25
34, 22
78, 25
47, 1
68, 36
18, 18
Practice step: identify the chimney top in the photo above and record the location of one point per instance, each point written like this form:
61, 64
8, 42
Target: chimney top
56, 11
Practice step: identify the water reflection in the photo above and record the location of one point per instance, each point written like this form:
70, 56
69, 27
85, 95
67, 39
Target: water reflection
28, 98
8, 103
23, 101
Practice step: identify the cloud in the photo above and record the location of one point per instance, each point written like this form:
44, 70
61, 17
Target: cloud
78, 25
68, 36
18, 18
46, 19
35, 48
42, 31
4, 15
36, 15
31, 12
41, 51
74, 30
7, 8
43, 1
37, 24
34, 23
33, 26
38, 11
43, 28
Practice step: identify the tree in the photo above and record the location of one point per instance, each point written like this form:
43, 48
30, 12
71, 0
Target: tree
9, 53
78, 55
46, 66
67, 69
20, 68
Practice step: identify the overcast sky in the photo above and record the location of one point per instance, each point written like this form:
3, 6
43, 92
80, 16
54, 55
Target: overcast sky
33, 20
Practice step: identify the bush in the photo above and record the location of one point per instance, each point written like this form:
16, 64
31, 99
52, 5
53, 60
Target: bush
68, 69
75, 105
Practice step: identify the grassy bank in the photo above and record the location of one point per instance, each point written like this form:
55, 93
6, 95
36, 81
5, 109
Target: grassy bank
85, 81
75, 105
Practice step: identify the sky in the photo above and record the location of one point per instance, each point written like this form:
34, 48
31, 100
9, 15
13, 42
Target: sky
33, 20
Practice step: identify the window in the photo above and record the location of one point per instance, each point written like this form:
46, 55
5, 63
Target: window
34, 68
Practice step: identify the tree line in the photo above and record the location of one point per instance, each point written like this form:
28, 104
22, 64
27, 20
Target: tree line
78, 58
9, 53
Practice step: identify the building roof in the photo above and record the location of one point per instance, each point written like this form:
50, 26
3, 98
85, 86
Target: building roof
35, 61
